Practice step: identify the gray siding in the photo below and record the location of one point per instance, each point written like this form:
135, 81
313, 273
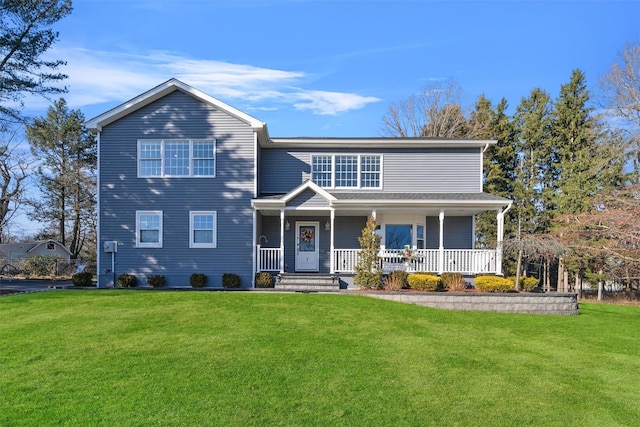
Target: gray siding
121, 194
347, 231
428, 170
458, 232
309, 199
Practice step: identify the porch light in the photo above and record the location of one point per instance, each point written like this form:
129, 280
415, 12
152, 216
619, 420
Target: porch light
287, 226
327, 226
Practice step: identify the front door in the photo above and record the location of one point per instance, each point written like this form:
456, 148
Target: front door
307, 252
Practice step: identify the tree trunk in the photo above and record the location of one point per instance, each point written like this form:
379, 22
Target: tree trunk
518, 266
577, 285
600, 286
560, 287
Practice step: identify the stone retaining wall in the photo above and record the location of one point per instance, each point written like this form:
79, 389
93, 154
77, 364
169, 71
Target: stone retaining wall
530, 303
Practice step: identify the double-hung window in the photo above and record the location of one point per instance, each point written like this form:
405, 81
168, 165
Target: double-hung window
149, 229
347, 170
202, 229
177, 158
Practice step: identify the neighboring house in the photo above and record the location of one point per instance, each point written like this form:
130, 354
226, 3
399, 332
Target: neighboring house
13, 252
189, 184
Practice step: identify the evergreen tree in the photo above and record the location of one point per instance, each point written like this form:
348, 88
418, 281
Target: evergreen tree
488, 122
25, 37
368, 273
532, 121
67, 152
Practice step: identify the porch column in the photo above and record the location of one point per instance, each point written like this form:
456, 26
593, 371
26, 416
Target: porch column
441, 247
281, 240
331, 244
256, 248
374, 214
500, 238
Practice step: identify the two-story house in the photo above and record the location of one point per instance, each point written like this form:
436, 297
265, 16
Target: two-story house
190, 184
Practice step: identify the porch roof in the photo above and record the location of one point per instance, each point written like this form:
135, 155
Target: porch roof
338, 199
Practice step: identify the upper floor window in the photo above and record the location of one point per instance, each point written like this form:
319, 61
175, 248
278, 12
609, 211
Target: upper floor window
347, 171
176, 158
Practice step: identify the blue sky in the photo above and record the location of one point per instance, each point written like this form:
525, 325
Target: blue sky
332, 68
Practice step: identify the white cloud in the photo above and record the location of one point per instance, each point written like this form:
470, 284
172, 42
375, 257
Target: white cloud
331, 103
99, 77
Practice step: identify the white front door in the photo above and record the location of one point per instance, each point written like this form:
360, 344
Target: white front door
307, 253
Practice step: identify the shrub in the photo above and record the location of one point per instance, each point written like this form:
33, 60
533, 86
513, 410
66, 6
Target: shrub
453, 281
126, 281
264, 280
527, 284
156, 281
40, 265
198, 280
82, 279
494, 284
424, 282
402, 276
368, 274
230, 280
393, 282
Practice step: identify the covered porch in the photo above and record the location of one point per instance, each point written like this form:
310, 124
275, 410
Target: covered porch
310, 230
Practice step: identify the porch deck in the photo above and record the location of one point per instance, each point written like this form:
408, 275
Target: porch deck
465, 261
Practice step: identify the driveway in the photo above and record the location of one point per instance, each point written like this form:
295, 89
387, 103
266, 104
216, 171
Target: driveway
10, 284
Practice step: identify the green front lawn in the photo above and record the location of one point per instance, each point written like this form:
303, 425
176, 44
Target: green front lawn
166, 358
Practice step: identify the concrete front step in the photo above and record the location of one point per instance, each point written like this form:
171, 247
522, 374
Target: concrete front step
307, 282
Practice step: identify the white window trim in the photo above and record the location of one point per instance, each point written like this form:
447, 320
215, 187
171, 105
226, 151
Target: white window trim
359, 173
213, 244
140, 244
191, 158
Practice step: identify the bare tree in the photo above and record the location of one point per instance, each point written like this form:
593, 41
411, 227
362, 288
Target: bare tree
621, 86
434, 112
606, 240
14, 170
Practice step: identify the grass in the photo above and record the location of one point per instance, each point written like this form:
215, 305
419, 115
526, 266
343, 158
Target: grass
162, 358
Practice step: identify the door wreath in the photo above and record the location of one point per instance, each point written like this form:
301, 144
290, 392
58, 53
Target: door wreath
307, 235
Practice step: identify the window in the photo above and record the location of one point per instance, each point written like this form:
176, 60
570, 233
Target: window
202, 230
397, 236
176, 158
149, 229
347, 171
370, 172
322, 171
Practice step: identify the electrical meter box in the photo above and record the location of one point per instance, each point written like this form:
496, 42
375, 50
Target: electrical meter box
111, 246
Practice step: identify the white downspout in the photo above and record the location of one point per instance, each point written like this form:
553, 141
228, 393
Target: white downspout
500, 238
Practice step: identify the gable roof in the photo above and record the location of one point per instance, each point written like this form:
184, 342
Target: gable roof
37, 244
96, 124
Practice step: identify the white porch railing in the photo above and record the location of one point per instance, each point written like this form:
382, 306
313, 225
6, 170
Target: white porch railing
268, 259
427, 260
471, 261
